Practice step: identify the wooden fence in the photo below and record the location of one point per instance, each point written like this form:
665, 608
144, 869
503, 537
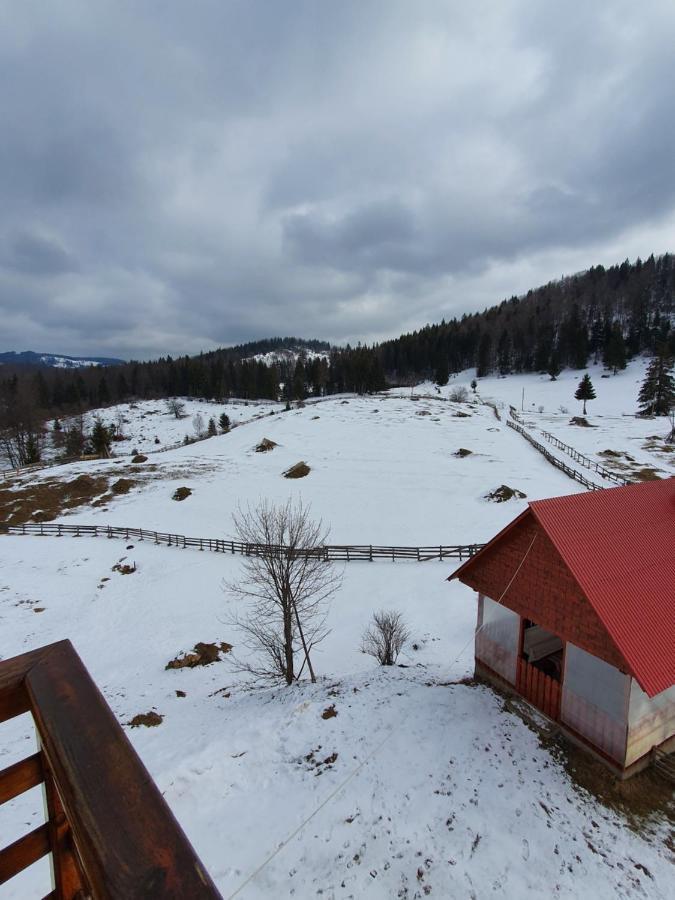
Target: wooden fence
539, 688
558, 463
334, 552
108, 828
585, 461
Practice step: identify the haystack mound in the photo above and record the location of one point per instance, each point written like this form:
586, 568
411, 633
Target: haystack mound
181, 493
463, 452
581, 421
265, 445
299, 470
503, 493
139, 458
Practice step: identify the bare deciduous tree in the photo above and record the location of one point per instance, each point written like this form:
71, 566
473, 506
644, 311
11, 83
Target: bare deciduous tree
176, 407
385, 637
287, 585
198, 424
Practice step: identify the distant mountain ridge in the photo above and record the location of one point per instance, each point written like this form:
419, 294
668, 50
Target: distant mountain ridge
56, 360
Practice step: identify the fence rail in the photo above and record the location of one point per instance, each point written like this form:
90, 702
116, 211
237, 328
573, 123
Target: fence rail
558, 463
585, 461
336, 552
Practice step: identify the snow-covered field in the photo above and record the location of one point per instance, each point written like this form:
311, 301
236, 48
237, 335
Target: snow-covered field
452, 794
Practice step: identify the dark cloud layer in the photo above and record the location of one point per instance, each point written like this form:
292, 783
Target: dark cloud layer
175, 176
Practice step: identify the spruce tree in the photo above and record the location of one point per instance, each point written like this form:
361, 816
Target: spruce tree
657, 394
224, 423
614, 356
585, 390
442, 375
101, 438
212, 431
554, 365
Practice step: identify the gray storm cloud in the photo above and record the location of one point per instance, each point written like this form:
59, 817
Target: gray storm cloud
179, 176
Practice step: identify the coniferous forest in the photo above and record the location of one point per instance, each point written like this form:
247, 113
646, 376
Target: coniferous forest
600, 315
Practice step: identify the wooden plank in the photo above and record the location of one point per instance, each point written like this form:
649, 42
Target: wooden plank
23, 852
68, 878
129, 842
20, 777
13, 697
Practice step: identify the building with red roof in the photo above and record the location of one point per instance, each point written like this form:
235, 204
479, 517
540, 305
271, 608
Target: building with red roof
576, 613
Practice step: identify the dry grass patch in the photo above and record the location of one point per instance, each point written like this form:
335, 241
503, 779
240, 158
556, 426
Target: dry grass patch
122, 486
43, 501
202, 654
149, 719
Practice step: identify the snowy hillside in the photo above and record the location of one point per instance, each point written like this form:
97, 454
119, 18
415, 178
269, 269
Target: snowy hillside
423, 783
55, 360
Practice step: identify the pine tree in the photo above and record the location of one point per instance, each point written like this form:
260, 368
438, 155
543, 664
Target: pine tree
212, 431
442, 375
585, 390
657, 394
224, 423
74, 441
614, 356
554, 365
32, 449
484, 361
101, 438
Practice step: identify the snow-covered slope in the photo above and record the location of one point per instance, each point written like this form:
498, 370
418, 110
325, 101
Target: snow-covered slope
452, 794
56, 360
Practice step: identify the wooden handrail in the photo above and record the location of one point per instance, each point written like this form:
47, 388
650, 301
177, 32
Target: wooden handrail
110, 831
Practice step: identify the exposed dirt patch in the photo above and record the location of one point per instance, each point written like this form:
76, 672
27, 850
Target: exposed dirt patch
181, 493
330, 712
462, 452
581, 421
462, 415
42, 501
202, 654
149, 719
139, 458
504, 493
265, 446
299, 470
124, 568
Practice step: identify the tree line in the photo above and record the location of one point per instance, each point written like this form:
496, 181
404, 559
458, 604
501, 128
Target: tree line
603, 314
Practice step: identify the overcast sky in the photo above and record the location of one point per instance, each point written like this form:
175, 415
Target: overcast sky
176, 176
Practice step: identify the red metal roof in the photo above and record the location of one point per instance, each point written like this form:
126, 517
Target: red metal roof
619, 544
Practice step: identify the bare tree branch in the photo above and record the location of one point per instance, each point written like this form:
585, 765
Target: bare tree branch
286, 587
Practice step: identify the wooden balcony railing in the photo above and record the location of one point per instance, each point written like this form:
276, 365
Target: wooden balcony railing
109, 830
